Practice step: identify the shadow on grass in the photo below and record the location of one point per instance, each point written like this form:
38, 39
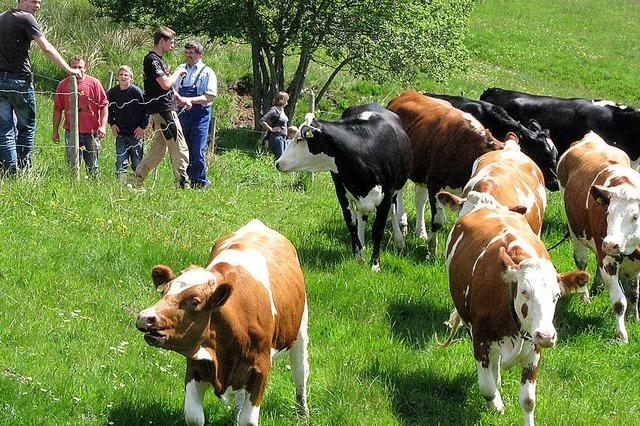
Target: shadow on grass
156, 414
415, 323
242, 139
424, 398
571, 323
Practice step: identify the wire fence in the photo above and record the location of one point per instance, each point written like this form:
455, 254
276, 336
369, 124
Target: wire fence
149, 131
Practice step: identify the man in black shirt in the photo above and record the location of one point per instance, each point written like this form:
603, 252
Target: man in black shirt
161, 106
18, 27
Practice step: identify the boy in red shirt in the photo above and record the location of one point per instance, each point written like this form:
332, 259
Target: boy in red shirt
92, 116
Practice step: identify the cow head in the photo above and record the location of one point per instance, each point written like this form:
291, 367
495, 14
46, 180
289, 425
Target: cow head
308, 151
180, 320
538, 146
535, 288
623, 217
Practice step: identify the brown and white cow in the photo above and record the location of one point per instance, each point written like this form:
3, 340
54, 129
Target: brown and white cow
232, 318
602, 201
445, 143
513, 179
504, 288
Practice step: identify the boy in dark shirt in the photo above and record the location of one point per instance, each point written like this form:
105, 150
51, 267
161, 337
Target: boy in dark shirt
128, 121
161, 106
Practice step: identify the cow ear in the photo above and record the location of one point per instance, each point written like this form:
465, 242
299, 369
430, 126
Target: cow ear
534, 125
510, 267
572, 282
518, 209
449, 200
161, 274
220, 295
512, 137
601, 194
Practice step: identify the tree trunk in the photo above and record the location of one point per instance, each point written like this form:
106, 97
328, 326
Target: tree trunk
297, 83
331, 77
258, 88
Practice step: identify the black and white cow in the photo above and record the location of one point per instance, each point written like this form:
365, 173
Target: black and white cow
568, 120
369, 157
534, 141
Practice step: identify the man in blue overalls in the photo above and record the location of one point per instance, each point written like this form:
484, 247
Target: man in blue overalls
196, 90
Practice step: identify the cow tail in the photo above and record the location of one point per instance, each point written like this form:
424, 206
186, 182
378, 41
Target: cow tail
454, 324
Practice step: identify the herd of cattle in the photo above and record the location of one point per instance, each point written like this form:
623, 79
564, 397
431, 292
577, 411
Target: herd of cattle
248, 306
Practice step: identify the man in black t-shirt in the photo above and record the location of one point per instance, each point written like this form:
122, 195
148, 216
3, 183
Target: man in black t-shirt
161, 106
18, 27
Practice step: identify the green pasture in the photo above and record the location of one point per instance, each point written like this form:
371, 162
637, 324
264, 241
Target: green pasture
75, 261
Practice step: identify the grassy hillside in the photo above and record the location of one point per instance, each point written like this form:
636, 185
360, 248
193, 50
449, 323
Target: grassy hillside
76, 256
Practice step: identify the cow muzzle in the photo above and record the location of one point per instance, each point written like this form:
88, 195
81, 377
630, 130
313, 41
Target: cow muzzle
545, 338
147, 322
610, 247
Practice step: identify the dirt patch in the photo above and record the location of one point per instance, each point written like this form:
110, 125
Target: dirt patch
242, 111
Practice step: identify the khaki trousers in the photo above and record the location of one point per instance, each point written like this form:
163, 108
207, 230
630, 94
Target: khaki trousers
167, 135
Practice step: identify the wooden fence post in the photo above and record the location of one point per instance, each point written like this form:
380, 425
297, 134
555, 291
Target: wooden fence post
73, 127
110, 80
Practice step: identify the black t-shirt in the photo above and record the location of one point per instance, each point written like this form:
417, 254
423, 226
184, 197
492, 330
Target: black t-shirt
17, 29
158, 99
126, 109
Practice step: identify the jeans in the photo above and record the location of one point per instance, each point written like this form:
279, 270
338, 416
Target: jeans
128, 148
16, 137
195, 126
89, 147
277, 144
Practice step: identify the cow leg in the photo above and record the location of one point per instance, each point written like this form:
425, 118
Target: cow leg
349, 216
396, 220
194, 392
361, 222
299, 361
382, 213
401, 213
631, 292
488, 385
421, 200
608, 269
527, 394
580, 257
250, 411
438, 219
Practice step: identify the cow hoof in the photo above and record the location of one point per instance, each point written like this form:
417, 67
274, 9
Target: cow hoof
359, 256
586, 297
375, 267
622, 338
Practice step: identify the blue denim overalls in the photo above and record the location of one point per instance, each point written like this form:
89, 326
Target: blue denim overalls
195, 126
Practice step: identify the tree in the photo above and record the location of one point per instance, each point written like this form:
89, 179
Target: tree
380, 39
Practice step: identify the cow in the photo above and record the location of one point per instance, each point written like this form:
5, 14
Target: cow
513, 179
505, 289
534, 141
568, 120
231, 319
369, 156
445, 143
602, 201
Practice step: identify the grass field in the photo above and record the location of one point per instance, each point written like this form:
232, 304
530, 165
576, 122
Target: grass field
76, 258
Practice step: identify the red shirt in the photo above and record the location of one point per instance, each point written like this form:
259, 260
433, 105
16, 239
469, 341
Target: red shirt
91, 98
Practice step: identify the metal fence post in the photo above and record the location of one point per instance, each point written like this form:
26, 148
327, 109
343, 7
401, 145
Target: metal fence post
73, 126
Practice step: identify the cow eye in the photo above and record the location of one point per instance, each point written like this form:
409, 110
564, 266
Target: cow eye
194, 302
525, 294
634, 218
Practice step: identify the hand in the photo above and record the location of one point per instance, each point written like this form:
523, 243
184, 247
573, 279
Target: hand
276, 129
54, 136
101, 132
187, 103
138, 133
115, 129
75, 71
